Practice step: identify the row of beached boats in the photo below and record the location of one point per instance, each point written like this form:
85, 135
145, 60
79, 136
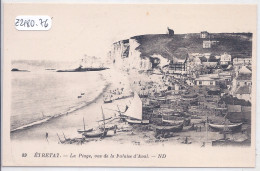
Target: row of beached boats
133, 114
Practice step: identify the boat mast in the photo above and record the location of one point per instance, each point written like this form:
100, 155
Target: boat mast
103, 117
84, 124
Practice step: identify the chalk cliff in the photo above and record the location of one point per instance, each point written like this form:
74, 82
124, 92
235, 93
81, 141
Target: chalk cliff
125, 56
146, 52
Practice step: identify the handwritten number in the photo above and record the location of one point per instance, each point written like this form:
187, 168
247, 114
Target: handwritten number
46, 23
17, 22
31, 22
21, 24
43, 23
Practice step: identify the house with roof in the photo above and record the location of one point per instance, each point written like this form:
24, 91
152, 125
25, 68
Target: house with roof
179, 66
206, 44
244, 70
225, 75
242, 85
242, 61
243, 92
225, 59
204, 34
205, 81
243, 79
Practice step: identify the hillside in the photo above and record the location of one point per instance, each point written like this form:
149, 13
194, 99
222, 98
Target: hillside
236, 44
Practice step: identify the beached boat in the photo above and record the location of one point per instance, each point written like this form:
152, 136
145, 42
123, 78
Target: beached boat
107, 100
174, 128
95, 134
99, 132
132, 121
185, 121
223, 127
228, 142
135, 111
172, 121
80, 131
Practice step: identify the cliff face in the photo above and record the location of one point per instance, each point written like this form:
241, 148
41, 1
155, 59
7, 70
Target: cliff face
125, 56
146, 52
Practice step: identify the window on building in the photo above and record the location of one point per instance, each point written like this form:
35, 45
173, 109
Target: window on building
211, 82
200, 82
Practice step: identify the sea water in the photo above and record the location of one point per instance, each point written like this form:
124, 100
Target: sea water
40, 94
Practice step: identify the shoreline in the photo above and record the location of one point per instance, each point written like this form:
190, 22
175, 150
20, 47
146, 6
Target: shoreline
66, 126
69, 111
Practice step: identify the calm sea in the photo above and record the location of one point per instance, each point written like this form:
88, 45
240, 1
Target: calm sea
42, 93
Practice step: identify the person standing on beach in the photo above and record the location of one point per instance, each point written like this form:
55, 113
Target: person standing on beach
46, 136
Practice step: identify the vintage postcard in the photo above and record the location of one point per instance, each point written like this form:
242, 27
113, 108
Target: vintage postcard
136, 85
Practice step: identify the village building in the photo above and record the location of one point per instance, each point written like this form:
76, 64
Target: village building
242, 61
244, 70
206, 44
243, 92
225, 75
205, 81
190, 82
179, 67
209, 43
225, 59
204, 34
210, 64
242, 85
242, 80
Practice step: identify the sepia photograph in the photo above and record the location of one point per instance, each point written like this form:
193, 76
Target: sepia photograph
142, 85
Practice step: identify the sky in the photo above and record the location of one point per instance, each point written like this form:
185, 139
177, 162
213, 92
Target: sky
79, 29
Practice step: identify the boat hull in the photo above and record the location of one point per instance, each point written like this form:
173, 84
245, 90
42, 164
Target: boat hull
83, 131
107, 101
223, 142
143, 122
230, 127
185, 122
165, 129
95, 134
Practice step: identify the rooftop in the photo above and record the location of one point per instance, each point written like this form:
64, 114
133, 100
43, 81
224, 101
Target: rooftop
243, 90
244, 77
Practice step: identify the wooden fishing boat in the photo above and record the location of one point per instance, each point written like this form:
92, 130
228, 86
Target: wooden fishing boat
223, 127
132, 121
185, 121
228, 142
172, 121
135, 111
80, 131
99, 132
95, 134
108, 101
163, 129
